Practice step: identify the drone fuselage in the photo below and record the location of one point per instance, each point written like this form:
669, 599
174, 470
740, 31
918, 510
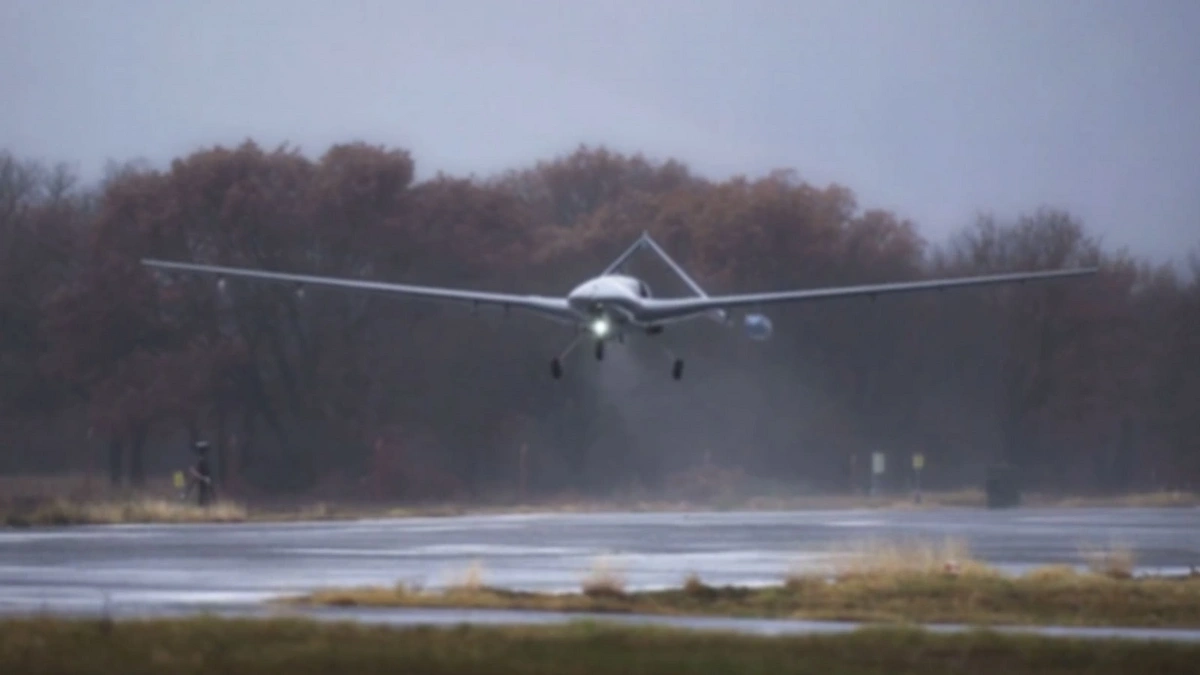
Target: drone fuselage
611, 298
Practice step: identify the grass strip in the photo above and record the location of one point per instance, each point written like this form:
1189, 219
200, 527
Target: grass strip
878, 582
300, 647
61, 511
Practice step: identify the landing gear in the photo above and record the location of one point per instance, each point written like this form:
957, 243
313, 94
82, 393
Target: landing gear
556, 364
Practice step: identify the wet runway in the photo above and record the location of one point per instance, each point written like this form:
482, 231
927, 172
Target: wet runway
152, 569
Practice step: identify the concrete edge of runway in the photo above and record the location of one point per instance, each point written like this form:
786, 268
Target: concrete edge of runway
416, 617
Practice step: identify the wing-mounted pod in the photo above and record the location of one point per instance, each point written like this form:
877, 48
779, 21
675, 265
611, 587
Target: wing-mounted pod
758, 327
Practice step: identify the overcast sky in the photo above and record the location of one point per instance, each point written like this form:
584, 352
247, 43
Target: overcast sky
937, 110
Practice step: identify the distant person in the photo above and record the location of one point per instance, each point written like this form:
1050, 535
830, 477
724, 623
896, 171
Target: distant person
201, 474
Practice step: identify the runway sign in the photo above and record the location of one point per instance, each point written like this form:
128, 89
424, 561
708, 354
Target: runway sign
877, 462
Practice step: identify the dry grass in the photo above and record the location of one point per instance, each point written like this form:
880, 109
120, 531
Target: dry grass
299, 647
694, 587
78, 487
604, 581
879, 559
83, 498
147, 510
1148, 500
912, 582
1053, 575
958, 498
965, 498
471, 580
1116, 562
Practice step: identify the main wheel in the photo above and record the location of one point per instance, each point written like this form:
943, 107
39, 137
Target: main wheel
677, 369
599, 350
556, 368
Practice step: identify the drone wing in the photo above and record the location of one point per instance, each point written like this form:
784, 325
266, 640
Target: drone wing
675, 309
554, 308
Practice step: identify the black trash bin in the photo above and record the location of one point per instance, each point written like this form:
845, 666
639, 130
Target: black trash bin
1001, 487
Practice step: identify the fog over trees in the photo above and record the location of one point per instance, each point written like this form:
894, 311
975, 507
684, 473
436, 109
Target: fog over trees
1084, 385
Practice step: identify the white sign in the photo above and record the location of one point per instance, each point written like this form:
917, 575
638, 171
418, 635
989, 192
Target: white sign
877, 462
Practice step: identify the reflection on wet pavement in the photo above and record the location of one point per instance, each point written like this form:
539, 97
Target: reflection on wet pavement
166, 568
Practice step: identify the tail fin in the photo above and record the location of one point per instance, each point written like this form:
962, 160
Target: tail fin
647, 241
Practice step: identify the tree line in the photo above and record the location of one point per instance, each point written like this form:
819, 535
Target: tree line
1082, 385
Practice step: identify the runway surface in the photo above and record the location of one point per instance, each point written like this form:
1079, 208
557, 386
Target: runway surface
168, 569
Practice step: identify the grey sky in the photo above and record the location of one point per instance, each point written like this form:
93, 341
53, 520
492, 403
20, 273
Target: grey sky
936, 110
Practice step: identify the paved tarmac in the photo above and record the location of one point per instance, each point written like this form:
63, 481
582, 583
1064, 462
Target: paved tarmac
149, 569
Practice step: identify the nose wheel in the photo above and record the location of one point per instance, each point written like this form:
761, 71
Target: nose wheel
556, 364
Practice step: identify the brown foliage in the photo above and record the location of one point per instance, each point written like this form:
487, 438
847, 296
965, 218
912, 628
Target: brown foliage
1086, 385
